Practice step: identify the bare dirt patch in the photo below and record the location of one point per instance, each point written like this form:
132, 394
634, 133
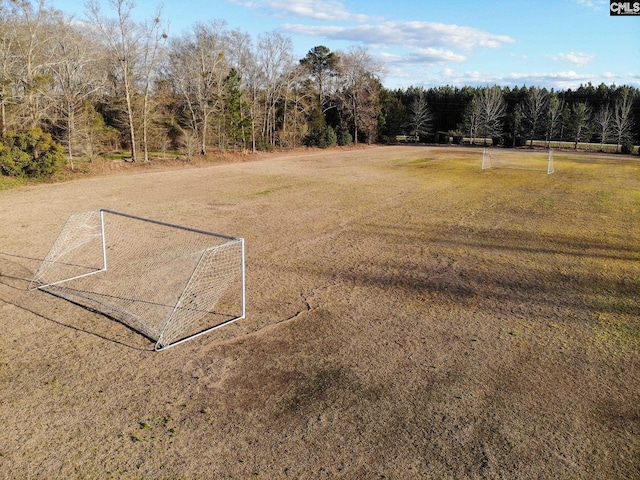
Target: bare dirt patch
409, 316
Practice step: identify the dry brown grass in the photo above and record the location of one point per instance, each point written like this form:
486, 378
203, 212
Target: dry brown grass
409, 316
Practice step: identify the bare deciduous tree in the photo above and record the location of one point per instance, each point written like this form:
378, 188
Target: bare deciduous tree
152, 42
359, 91
603, 120
490, 109
533, 111
419, 114
33, 42
274, 57
622, 119
555, 106
122, 37
579, 123
197, 67
76, 78
9, 62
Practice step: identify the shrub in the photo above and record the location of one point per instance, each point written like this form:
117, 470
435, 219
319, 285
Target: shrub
264, 146
321, 137
12, 159
627, 147
31, 153
329, 138
344, 137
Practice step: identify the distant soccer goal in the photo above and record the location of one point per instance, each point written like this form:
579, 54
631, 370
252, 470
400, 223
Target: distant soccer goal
518, 160
169, 282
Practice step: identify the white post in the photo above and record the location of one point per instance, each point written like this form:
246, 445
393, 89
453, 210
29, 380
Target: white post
550, 167
243, 280
104, 242
484, 154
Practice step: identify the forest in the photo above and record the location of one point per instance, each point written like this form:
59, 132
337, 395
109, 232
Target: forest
77, 89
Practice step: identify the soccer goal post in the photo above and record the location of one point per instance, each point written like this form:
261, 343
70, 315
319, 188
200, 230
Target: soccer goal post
518, 160
169, 282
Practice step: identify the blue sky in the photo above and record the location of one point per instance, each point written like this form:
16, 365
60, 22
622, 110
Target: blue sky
548, 43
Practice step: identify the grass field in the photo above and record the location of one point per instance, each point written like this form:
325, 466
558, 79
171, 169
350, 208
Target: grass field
409, 316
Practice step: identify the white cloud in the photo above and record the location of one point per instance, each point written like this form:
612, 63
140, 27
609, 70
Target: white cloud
594, 4
578, 58
315, 9
410, 34
404, 46
420, 56
408, 46
433, 55
559, 80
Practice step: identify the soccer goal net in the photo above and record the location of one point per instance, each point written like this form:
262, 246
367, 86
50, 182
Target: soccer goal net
518, 160
169, 282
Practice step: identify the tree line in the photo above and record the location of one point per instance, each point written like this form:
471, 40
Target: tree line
516, 116
72, 88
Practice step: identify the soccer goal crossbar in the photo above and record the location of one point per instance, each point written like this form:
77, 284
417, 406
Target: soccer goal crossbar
518, 160
169, 282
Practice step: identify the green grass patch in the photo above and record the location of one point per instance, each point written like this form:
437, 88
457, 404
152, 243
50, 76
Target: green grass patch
548, 202
268, 191
7, 183
418, 161
265, 192
617, 330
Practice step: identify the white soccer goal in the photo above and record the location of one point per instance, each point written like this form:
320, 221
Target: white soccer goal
169, 282
518, 160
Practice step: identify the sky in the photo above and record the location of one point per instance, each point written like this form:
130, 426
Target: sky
558, 44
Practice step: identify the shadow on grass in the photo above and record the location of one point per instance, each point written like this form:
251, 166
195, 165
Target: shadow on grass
17, 277
500, 271
508, 240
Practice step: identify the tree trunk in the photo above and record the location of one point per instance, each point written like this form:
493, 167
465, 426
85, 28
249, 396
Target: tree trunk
70, 130
3, 118
132, 133
203, 144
